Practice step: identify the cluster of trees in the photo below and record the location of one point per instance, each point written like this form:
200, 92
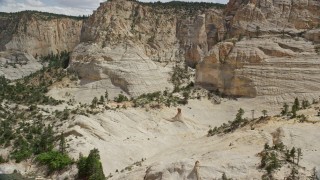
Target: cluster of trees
272, 158
28, 136
32, 89
239, 121
121, 98
182, 5
90, 168
295, 107
60, 60
23, 93
42, 15
55, 160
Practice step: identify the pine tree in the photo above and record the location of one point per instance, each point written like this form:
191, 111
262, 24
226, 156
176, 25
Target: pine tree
94, 102
62, 145
299, 155
106, 95
224, 176
293, 153
285, 109
296, 104
101, 101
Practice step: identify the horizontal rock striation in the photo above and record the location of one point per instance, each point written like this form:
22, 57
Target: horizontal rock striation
277, 68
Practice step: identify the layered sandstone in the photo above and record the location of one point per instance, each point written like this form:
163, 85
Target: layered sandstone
38, 33
269, 17
274, 67
132, 42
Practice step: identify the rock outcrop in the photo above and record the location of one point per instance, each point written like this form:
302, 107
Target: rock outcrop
270, 17
38, 33
276, 67
134, 41
125, 67
16, 65
272, 46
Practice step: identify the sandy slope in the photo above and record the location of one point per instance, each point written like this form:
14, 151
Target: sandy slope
171, 148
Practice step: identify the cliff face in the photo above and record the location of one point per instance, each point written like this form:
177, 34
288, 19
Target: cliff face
271, 17
244, 51
134, 45
138, 37
272, 51
38, 33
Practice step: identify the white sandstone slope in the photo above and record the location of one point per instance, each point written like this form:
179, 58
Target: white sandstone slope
124, 66
16, 65
170, 149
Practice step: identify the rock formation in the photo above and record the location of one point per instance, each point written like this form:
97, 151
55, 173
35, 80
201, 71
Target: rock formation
267, 55
271, 17
127, 41
38, 33
178, 116
16, 65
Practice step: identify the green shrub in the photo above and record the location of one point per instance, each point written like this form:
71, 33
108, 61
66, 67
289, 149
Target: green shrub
20, 155
54, 160
121, 98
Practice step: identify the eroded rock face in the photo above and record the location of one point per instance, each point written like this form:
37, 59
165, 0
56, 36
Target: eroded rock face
164, 34
313, 35
263, 67
38, 33
268, 56
126, 67
130, 43
265, 16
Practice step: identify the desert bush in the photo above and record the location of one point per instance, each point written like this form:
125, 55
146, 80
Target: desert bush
54, 160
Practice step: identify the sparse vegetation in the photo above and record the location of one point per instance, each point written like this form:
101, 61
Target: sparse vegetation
295, 107
273, 158
239, 121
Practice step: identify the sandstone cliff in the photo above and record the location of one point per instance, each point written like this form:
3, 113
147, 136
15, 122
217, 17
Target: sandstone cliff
270, 17
127, 41
38, 33
272, 51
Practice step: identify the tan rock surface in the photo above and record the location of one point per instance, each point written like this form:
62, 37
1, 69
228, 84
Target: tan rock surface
277, 16
16, 65
275, 68
125, 67
38, 33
